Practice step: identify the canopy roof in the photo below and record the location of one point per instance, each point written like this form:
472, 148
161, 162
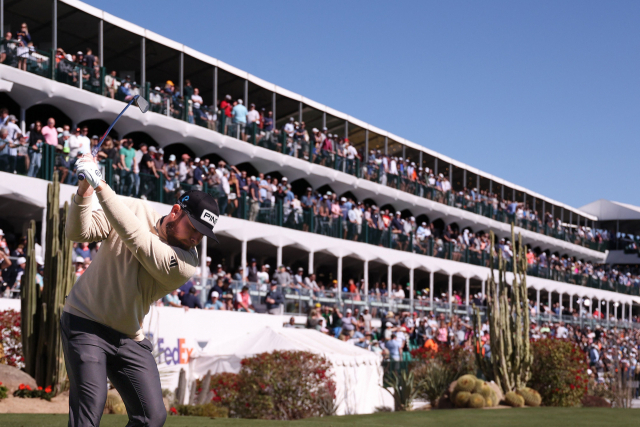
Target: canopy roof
607, 210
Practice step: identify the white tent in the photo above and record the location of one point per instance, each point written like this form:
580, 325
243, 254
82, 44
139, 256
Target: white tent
357, 372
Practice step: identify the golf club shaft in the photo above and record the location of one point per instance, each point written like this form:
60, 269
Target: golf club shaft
94, 152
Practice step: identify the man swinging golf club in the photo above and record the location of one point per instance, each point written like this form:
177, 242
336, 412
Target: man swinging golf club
143, 257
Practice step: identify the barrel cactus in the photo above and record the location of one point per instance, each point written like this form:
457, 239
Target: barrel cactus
114, 404
531, 397
513, 399
476, 401
490, 401
478, 387
466, 383
461, 399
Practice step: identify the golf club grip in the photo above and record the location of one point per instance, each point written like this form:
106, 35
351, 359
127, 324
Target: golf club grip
80, 176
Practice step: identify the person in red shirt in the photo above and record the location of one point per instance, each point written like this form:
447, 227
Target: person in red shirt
226, 108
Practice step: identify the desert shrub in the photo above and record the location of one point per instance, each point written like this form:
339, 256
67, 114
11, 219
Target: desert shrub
26, 391
211, 410
11, 338
457, 359
403, 389
283, 385
432, 378
4, 391
558, 372
225, 388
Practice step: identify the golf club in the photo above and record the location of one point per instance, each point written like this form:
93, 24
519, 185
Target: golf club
140, 102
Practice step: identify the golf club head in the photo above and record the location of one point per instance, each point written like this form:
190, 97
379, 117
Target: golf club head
142, 103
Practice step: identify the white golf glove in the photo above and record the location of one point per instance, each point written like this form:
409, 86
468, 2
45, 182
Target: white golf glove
91, 172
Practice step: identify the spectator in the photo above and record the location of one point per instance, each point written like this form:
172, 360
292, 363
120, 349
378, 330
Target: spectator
239, 114
172, 299
274, 299
243, 300
190, 300
50, 132
214, 303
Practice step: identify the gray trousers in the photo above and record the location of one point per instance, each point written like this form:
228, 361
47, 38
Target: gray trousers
92, 352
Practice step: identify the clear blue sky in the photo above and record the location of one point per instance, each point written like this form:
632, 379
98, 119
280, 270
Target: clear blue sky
544, 94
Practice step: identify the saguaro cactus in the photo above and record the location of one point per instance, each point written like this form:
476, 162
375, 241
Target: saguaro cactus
41, 311
508, 313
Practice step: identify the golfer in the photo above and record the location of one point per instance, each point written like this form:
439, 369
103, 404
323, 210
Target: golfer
143, 257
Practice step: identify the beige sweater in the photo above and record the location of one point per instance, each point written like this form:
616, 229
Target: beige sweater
134, 267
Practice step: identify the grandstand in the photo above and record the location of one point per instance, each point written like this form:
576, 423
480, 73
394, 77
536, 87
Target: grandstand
322, 154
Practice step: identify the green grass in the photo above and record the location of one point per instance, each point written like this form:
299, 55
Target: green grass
547, 417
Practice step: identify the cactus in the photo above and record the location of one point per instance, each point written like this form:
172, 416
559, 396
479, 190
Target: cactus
531, 397
513, 399
476, 401
205, 390
461, 399
508, 314
41, 311
490, 401
466, 383
479, 385
485, 391
114, 404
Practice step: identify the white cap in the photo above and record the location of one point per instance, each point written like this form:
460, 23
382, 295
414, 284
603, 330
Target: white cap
22, 260
208, 259
79, 259
215, 294
240, 101
348, 310
196, 160
1, 232
39, 260
172, 158
343, 199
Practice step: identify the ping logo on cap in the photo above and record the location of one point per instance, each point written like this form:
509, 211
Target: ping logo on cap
209, 217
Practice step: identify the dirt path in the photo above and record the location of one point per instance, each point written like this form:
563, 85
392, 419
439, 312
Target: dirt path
17, 405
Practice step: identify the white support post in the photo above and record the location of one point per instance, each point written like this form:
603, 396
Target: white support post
622, 311
279, 257
389, 279
466, 293
450, 294
23, 120
203, 262
411, 287
571, 303
560, 305
538, 302
550, 304
339, 277
630, 312
484, 287
591, 309
431, 290
608, 313
366, 280
615, 311
310, 269
243, 259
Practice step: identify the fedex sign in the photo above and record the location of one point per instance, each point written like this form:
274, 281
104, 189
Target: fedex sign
178, 355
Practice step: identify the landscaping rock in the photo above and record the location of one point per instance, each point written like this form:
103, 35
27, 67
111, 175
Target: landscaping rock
12, 377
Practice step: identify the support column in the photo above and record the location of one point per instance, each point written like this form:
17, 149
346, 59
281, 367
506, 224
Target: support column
279, 256
243, 259
484, 285
324, 119
607, 313
386, 146
339, 277
181, 75
622, 311
54, 26
450, 290
431, 290
550, 303
490, 186
143, 63
246, 93
346, 129
366, 280
466, 293
435, 167
366, 146
300, 112
273, 108
23, 119
538, 303
464, 178
615, 311
389, 279
591, 308
560, 301
2, 18
215, 87
571, 302
310, 270
203, 263
100, 42
411, 286
630, 312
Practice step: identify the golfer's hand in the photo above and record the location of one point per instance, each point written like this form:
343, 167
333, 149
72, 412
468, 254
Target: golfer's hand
91, 172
